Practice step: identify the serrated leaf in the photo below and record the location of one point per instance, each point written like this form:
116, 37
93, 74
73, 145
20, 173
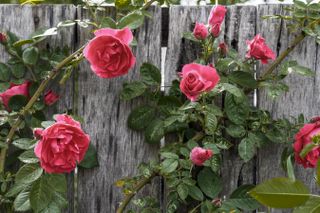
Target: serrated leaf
236, 110
247, 149
21, 202
140, 117
244, 79
210, 122
169, 165
30, 55
90, 159
132, 90
190, 36
209, 183
108, 22
150, 74
154, 131
183, 191
4, 72
311, 206
195, 193
242, 200
28, 173
132, 20
281, 193
24, 143
236, 131
28, 157
40, 194
18, 70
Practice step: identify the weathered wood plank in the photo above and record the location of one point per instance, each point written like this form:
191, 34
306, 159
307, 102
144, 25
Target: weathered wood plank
24, 20
240, 26
120, 149
303, 96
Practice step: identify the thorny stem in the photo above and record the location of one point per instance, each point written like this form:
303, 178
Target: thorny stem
137, 188
33, 99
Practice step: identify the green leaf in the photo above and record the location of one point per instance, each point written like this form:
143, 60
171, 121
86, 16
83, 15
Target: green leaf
17, 102
150, 74
58, 182
28, 173
169, 165
247, 149
140, 117
306, 149
318, 173
290, 169
90, 160
132, 20
311, 206
231, 89
108, 22
223, 143
183, 191
210, 122
18, 70
16, 189
4, 72
242, 200
304, 71
195, 193
30, 55
28, 157
41, 194
209, 182
281, 193
24, 143
169, 155
236, 109
21, 202
244, 79
236, 131
190, 36
155, 131
132, 90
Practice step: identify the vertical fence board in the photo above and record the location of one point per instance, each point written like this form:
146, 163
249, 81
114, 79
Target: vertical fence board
24, 20
120, 149
303, 96
240, 25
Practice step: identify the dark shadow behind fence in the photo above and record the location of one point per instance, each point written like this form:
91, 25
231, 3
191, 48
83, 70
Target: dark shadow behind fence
120, 150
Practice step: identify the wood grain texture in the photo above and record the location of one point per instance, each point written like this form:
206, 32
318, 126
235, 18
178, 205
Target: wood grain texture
303, 96
24, 20
120, 149
240, 25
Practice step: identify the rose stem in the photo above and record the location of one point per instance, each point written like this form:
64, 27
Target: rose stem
33, 99
138, 187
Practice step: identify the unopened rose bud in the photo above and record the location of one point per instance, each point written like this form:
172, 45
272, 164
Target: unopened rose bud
200, 31
223, 49
3, 38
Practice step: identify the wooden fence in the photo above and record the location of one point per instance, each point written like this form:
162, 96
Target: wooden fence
120, 150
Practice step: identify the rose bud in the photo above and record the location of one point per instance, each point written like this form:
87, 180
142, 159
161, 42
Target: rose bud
109, 53
3, 38
258, 49
309, 133
223, 48
50, 97
62, 145
196, 79
200, 31
199, 155
22, 89
216, 18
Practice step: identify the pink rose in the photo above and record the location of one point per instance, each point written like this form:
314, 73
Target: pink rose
61, 145
199, 155
216, 18
200, 31
223, 48
50, 97
3, 38
258, 49
14, 89
109, 53
307, 134
196, 79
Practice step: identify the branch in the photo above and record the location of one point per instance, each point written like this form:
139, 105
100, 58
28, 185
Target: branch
138, 187
33, 99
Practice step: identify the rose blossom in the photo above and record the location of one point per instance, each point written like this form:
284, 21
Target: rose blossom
196, 79
258, 49
200, 31
109, 53
309, 133
223, 48
3, 38
62, 145
50, 97
216, 18
14, 89
199, 155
